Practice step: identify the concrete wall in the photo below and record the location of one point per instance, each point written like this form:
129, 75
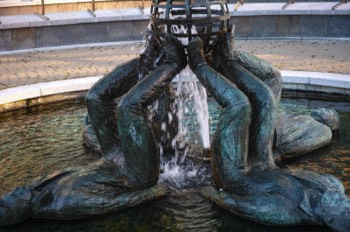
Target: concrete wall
80, 6
302, 26
24, 38
251, 20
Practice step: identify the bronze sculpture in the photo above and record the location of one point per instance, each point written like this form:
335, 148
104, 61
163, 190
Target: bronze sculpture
247, 181
127, 174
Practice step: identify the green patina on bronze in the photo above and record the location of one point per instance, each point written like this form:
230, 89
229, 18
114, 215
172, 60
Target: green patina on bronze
247, 181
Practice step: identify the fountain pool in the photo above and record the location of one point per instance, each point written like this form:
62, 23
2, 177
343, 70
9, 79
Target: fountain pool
43, 139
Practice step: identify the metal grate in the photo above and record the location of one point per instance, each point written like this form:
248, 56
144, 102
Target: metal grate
187, 19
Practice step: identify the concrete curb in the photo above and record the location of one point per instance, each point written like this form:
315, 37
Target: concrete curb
292, 80
91, 45
26, 92
316, 82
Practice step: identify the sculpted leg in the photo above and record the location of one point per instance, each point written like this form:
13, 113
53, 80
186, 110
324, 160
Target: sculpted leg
262, 100
137, 142
265, 193
120, 181
101, 97
230, 143
101, 106
263, 70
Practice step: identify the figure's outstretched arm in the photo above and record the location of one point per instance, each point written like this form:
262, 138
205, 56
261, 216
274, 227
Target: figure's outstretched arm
262, 100
230, 143
140, 157
101, 97
101, 106
262, 69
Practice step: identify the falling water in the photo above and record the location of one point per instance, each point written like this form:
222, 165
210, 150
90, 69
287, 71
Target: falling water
190, 93
191, 98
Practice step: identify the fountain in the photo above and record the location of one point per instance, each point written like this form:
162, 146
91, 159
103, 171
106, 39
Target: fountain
247, 181
48, 138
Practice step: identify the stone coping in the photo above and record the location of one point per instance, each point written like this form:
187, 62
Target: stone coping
322, 82
247, 9
67, 18
331, 80
11, 3
298, 8
25, 92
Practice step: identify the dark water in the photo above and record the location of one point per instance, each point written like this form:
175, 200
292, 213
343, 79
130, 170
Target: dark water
46, 139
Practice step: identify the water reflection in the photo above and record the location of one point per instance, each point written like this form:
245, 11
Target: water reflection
40, 141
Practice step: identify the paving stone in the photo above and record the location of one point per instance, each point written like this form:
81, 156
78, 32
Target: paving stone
41, 66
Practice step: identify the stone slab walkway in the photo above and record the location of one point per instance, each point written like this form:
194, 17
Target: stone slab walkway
35, 66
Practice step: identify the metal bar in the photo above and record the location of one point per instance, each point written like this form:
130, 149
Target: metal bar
339, 4
288, 4
91, 13
141, 10
41, 16
196, 21
237, 5
43, 7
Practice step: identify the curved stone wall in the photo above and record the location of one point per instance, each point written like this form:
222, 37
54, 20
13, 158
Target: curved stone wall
253, 20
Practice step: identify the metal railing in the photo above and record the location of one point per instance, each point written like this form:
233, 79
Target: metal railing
90, 11
43, 3
287, 4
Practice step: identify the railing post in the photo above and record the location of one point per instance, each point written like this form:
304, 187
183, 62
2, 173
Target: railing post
238, 3
93, 5
339, 4
43, 7
288, 4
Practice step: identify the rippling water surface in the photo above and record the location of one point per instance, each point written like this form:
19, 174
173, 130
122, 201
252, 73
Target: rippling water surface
45, 139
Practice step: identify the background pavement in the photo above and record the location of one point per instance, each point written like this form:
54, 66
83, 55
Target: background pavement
43, 65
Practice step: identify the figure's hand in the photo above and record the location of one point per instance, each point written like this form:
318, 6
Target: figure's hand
150, 58
195, 53
174, 51
226, 41
223, 50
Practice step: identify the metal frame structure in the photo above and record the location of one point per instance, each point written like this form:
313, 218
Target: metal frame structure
210, 17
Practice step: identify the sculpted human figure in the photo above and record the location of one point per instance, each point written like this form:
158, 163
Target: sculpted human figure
247, 181
128, 170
